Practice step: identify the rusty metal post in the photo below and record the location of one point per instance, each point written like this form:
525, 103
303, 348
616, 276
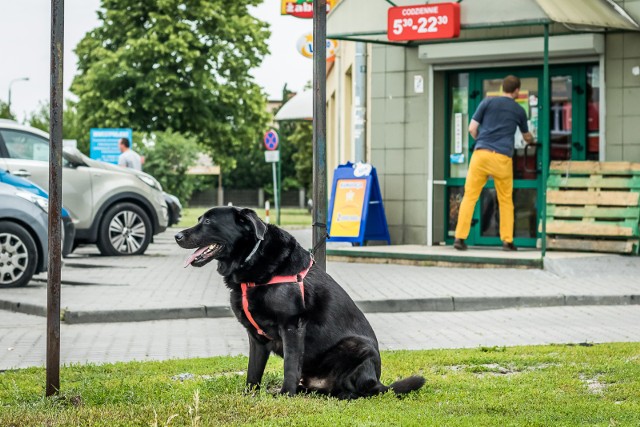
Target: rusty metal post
55, 199
320, 132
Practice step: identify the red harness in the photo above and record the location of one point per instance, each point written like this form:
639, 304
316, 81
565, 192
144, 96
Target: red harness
298, 278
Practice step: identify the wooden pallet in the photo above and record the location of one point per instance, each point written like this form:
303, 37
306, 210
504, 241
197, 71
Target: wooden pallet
593, 206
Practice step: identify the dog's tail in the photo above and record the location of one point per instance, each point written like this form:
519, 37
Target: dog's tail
407, 385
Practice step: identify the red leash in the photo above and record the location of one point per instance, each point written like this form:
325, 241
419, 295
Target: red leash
297, 278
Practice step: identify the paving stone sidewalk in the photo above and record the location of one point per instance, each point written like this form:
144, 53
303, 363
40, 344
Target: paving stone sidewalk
22, 337
155, 285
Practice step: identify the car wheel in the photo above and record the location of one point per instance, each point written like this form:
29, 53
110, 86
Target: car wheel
18, 255
125, 230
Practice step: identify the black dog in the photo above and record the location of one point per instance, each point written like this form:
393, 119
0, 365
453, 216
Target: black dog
327, 344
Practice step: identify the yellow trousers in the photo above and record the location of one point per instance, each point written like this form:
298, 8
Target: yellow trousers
485, 164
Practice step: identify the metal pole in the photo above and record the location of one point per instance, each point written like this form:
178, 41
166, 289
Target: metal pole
320, 132
55, 199
279, 198
546, 136
22, 79
275, 192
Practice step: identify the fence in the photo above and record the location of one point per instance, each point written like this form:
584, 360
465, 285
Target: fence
250, 198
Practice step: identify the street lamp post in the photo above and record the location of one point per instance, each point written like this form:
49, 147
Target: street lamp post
21, 79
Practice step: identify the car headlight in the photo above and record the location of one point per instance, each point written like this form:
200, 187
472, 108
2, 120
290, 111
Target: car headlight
150, 181
42, 202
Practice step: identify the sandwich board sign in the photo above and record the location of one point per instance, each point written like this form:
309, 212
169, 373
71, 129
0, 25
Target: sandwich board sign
356, 212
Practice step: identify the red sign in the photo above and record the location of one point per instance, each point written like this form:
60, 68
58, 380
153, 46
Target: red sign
424, 22
271, 140
302, 8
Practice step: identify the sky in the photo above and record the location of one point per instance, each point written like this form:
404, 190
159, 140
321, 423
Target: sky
24, 49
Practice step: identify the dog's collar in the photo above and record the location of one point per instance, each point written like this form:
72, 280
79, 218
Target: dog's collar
253, 252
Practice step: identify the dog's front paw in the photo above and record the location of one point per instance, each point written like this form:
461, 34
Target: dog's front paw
285, 391
252, 389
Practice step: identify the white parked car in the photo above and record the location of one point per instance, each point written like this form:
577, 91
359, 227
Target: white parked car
118, 209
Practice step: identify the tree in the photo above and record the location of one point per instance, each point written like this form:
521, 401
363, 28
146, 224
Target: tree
301, 139
5, 113
176, 64
168, 156
72, 128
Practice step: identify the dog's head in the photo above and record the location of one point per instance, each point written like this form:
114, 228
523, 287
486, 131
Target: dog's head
224, 232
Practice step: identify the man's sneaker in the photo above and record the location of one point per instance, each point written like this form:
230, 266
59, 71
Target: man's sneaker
460, 245
509, 247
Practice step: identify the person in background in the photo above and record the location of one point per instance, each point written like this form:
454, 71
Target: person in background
128, 158
493, 127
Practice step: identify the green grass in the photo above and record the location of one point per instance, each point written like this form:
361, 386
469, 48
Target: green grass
289, 217
523, 386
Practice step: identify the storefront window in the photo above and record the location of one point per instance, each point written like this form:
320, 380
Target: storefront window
459, 125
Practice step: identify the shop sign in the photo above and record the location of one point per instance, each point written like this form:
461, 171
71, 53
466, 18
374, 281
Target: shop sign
424, 22
305, 47
302, 8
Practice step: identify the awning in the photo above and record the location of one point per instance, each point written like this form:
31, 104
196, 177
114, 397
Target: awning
299, 107
366, 20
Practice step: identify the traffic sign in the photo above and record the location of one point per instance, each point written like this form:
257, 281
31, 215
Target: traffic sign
272, 156
424, 22
271, 140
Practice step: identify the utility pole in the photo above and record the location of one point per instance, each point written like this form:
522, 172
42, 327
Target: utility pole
320, 132
21, 79
55, 199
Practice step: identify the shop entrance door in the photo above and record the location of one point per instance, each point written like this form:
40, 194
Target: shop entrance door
574, 136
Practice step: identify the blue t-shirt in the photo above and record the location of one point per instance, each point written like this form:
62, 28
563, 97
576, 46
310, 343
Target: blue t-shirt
499, 117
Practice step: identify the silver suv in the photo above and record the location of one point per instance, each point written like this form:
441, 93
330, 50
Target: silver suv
118, 209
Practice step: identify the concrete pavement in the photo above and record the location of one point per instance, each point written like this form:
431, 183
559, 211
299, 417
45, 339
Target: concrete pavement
22, 337
155, 286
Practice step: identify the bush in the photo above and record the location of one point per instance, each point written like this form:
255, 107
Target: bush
168, 156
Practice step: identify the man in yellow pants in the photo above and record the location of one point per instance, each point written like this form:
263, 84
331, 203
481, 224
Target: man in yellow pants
493, 127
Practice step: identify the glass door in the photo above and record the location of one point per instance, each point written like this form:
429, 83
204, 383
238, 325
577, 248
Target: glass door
525, 166
574, 122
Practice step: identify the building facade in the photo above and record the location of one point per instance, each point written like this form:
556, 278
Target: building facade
420, 98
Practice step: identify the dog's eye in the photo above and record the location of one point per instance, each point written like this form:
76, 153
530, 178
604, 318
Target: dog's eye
206, 221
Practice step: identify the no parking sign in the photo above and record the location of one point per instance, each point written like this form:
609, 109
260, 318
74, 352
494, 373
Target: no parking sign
271, 140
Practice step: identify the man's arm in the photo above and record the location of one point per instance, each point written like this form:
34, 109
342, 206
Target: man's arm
473, 129
528, 137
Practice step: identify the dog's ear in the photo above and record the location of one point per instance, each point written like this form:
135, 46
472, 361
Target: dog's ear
255, 222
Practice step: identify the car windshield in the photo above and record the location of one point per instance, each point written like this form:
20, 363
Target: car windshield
73, 157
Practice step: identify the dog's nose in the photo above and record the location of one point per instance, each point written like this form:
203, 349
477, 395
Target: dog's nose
179, 237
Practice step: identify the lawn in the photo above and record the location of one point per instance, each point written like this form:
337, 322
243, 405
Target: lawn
553, 385
289, 217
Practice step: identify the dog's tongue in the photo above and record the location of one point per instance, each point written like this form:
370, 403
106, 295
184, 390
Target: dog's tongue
193, 256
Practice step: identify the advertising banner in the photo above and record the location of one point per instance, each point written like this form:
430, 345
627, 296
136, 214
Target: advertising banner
104, 143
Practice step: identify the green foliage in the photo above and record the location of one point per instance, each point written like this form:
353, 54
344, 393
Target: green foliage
72, 128
5, 113
39, 119
168, 155
302, 140
176, 64
523, 386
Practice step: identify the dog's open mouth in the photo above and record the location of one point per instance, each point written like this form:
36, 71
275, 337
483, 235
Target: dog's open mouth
202, 255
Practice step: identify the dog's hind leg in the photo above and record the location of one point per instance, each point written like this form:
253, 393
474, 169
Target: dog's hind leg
258, 356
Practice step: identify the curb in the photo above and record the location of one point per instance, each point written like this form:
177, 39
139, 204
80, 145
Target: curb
442, 304
431, 260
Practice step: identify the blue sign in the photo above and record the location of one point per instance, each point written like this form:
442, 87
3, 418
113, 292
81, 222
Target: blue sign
104, 143
356, 211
